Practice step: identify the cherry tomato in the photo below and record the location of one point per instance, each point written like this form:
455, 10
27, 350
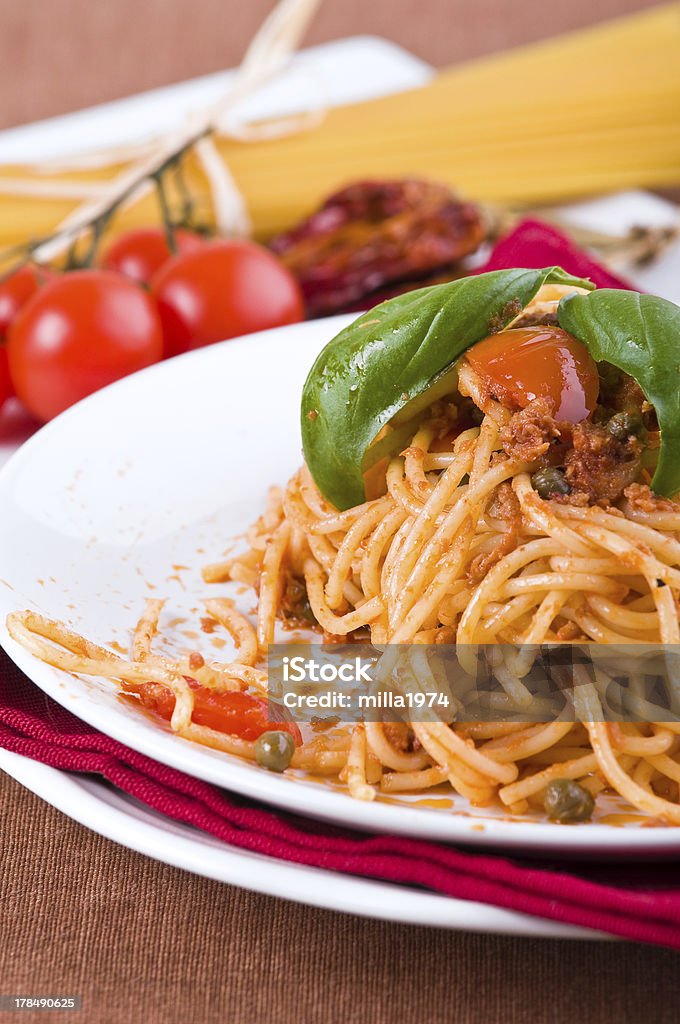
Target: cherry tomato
538, 362
234, 712
85, 329
139, 254
6, 386
15, 291
224, 290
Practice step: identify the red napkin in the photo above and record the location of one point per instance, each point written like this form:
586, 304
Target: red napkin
636, 902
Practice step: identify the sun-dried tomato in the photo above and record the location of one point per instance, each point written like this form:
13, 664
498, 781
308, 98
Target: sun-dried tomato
374, 234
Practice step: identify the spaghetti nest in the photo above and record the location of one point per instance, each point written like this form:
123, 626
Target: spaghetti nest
459, 549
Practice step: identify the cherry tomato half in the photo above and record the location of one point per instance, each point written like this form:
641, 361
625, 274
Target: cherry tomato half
85, 329
234, 712
538, 362
224, 290
139, 254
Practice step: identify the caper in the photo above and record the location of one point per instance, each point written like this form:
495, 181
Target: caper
274, 750
626, 424
565, 800
549, 481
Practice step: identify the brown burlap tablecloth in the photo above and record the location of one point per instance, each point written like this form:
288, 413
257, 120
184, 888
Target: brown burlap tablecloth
143, 942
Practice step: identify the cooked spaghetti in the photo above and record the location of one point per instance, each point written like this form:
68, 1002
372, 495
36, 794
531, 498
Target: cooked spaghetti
511, 516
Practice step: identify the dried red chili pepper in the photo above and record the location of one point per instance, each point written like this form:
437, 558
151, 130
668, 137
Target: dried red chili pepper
373, 234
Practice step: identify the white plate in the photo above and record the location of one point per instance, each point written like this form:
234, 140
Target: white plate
124, 820
129, 492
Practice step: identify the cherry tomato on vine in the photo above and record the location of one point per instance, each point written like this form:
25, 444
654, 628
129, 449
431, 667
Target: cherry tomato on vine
82, 331
15, 291
221, 291
139, 254
6, 386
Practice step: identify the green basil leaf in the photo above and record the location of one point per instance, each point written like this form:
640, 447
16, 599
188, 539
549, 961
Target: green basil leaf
639, 334
391, 355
